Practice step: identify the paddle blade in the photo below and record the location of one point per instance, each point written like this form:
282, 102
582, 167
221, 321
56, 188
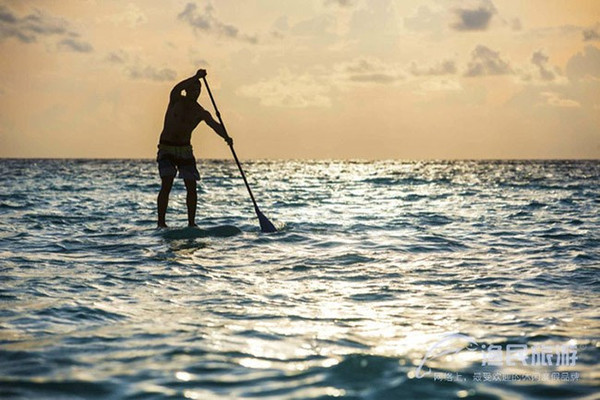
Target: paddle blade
265, 225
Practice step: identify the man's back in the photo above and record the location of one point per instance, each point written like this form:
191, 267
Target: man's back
181, 118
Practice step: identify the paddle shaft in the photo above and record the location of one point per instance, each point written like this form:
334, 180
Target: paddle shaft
231, 145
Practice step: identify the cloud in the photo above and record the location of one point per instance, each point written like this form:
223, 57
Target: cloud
320, 26
477, 19
137, 69
562, 95
36, 25
341, 3
425, 20
365, 70
374, 78
289, 90
555, 100
540, 60
117, 57
29, 28
485, 61
584, 65
439, 84
132, 16
539, 71
206, 21
551, 33
313, 89
151, 73
436, 20
516, 24
75, 45
590, 35
446, 67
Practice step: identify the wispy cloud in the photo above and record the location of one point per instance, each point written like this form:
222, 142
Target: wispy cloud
132, 16
289, 90
27, 29
365, 70
516, 24
117, 57
151, 73
78, 46
136, 68
314, 88
446, 67
425, 20
36, 25
341, 3
439, 84
590, 35
205, 20
551, 32
556, 100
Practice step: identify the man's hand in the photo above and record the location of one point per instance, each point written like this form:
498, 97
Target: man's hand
201, 73
229, 140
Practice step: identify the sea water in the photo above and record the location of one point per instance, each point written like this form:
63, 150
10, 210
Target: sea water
378, 269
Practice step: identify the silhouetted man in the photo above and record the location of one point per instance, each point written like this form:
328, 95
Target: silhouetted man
174, 149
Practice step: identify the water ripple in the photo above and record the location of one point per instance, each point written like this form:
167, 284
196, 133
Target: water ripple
374, 262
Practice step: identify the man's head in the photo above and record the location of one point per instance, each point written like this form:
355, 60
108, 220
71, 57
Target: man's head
193, 90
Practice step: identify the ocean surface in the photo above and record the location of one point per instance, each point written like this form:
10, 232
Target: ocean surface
387, 280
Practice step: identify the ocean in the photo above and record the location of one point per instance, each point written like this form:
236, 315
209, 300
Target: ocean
386, 280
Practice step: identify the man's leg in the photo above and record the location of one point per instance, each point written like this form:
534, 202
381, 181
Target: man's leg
191, 200
163, 199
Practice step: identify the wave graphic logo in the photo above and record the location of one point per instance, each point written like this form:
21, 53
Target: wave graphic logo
449, 344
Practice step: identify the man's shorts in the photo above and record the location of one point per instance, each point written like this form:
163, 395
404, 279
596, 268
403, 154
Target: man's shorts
177, 158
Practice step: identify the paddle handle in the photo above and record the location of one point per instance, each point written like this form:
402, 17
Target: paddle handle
237, 161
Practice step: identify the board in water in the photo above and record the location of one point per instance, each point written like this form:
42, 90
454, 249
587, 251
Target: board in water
192, 232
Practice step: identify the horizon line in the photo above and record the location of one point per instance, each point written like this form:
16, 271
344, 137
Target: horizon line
305, 159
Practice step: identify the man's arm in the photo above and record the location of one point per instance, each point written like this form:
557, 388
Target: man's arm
176, 92
218, 128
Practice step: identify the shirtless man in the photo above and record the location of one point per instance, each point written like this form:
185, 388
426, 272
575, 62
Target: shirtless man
174, 149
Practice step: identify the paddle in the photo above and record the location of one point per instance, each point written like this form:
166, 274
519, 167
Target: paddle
265, 225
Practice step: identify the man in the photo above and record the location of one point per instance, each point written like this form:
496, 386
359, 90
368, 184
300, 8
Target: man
174, 149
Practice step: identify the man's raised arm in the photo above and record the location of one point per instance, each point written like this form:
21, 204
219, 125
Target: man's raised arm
176, 92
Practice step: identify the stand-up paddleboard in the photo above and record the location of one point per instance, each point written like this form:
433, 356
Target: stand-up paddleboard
195, 232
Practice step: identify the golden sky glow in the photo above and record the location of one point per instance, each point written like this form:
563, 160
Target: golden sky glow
305, 78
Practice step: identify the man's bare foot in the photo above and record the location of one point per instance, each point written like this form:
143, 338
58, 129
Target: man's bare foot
162, 225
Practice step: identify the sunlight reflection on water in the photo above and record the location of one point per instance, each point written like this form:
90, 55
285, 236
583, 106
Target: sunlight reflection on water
375, 262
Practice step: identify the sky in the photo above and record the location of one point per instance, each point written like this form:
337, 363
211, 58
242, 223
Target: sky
305, 79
